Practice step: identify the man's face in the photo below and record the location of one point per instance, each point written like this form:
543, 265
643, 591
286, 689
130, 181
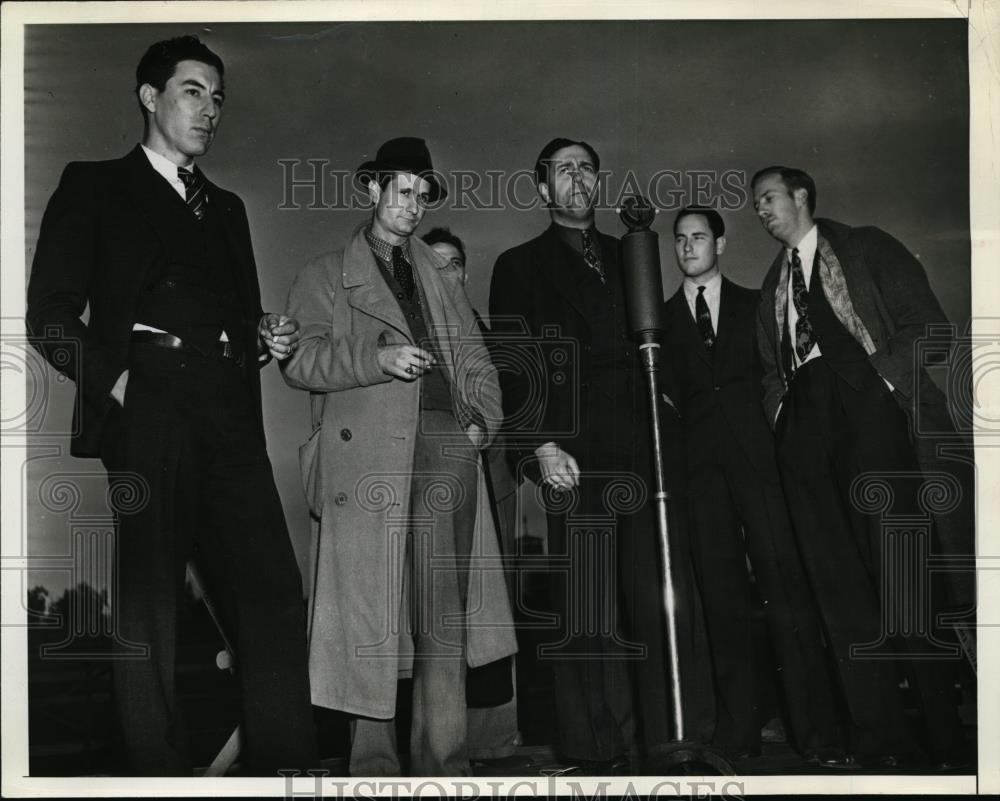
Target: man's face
780, 211
569, 189
182, 119
400, 207
697, 248
452, 255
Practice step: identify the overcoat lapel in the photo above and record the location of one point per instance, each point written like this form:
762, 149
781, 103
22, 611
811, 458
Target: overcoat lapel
370, 293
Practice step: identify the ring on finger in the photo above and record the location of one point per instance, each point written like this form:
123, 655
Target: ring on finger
410, 369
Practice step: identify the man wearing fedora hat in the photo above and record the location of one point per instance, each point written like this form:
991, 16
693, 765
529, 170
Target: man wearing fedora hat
407, 575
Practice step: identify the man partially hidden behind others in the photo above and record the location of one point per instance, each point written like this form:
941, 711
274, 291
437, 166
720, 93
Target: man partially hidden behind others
168, 396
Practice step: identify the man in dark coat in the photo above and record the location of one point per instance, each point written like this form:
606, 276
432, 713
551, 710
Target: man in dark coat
577, 424
736, 506
840, 314
168, 395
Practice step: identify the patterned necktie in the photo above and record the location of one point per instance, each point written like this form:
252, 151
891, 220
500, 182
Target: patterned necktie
402, 271
590, 254
194, 191
704, 317
804, 339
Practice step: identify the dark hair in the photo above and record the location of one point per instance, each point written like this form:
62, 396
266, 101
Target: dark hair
157, 66
542, 162
794, 178
715, 222
438, 235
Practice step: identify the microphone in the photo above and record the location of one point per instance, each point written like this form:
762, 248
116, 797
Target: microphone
641, 260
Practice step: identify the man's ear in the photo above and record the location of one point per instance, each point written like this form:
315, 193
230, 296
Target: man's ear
374, 191
720, 245
543, 190
801, 196
147, 96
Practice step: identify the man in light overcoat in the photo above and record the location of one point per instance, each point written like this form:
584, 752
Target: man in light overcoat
407, 574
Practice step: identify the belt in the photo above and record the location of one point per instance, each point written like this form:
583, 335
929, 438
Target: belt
222, 349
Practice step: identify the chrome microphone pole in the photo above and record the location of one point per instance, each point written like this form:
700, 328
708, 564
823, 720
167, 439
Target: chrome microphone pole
644, 302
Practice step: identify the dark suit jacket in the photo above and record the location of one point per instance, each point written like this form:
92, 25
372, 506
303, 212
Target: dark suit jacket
724, 382
99, 237
542, 341
891, 295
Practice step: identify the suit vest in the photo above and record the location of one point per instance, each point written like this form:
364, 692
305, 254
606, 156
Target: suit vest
193, 291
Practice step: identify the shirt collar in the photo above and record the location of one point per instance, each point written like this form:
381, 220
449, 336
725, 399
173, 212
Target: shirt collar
712, 287
163, 165
383, 250
806, 246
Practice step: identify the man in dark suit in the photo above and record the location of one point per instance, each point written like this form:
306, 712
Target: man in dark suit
736, 507
839, 315
577, 425
168, 396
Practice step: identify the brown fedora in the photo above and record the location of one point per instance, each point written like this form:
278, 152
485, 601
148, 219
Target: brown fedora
405, 154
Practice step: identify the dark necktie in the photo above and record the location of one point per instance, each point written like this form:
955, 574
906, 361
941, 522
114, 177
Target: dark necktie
402, 271
590, 254
194, 191
704, 318
804, 339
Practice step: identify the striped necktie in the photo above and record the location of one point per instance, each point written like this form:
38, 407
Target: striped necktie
194, 191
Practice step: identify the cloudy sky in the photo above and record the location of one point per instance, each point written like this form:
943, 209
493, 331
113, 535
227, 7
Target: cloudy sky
876, 110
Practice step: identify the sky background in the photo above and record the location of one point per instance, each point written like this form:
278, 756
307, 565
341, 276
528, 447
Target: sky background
875, 110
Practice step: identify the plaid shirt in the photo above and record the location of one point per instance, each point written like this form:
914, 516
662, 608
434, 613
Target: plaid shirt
383, 250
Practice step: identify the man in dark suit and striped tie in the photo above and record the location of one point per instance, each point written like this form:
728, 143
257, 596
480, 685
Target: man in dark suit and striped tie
168, 396
736, 507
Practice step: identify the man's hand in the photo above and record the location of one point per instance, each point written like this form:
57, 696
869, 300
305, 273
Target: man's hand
407, 362
118, 390
559, 469
279, 335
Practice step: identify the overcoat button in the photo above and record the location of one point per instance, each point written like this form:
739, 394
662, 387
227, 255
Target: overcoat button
340, 499
345, 434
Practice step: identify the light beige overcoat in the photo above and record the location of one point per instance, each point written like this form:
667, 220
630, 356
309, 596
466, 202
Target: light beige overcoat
358, 638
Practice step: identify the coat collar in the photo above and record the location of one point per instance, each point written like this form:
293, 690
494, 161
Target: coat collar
371, 295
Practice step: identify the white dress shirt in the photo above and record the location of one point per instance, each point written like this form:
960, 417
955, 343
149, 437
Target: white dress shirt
713, 295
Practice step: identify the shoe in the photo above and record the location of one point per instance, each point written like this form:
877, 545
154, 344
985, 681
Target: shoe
616, 766
831, 758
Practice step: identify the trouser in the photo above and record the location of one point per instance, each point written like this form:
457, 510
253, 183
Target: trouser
738, 510
828, 434
443, 500
188, 434
608, 652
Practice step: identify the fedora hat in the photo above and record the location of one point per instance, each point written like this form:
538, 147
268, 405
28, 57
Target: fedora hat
405, 154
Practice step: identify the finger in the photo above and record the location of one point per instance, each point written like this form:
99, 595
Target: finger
573, 468
422, 354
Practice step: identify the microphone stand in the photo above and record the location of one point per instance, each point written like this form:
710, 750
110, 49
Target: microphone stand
644, 301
